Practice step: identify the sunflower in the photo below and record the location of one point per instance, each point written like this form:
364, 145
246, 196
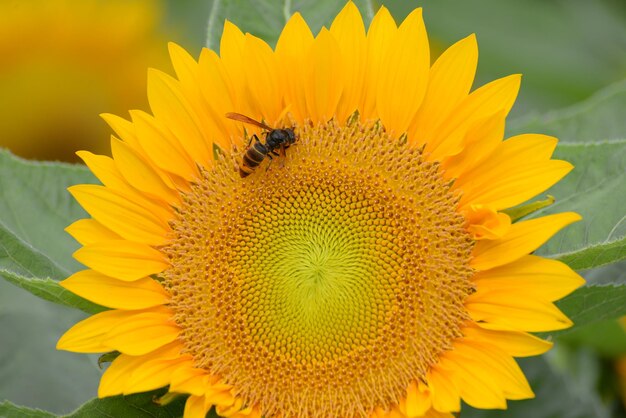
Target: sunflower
367, 270
56, 71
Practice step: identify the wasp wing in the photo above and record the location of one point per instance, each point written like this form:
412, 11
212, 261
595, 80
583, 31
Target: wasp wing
245, 119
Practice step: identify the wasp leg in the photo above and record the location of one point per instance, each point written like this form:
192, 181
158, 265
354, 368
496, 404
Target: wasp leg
256, 139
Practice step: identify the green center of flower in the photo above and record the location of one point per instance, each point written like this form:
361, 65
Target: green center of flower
323, 285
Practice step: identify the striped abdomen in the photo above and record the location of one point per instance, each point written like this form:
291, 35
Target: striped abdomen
252, 158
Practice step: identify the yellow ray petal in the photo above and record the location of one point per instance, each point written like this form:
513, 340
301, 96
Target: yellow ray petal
89, 231
514, 343
116, 376
508, 187
522, 315
189, 380
481, 140
449, 82
106, 170
403, 80
531, 275
349, 32
161, 146
142, 333
497, 366
418, 400
444, 394
291, 50
323, 86
123, 128
522, 238
381, 31
261, 71
117, 294
235, 62
486, 223
172, 108
195, 407
185, 66
217, 99
116, 212
138, 172
127, 132
86, 336
495, 97
476, 388
152, 375
123, 260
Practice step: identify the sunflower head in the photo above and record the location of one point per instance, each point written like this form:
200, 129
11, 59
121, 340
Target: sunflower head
312, 232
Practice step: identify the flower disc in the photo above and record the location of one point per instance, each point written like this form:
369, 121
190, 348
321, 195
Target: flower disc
326, 284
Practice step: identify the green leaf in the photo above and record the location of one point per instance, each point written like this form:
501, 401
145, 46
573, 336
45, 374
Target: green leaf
266, 18
141, 405
35, 251
50, 290
591, 304
34, 211
606, 338
591, 138
601, 117
9, 410
594, 189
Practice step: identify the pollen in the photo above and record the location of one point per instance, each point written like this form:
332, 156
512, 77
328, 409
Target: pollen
328, 280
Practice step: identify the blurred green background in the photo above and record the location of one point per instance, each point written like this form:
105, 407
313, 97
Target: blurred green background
62, 62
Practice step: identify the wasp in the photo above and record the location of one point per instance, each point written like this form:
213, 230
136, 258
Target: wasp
275, 139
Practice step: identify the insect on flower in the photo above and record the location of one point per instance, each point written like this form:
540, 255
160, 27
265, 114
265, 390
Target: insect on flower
256, 153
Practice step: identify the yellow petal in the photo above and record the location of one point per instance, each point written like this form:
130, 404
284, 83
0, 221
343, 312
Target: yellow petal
189, 380
161, 146
105, 169
123, 128
195, 407
522, 238
486, 223
418, 399
379, 36
217, 99
90, 231
514, 343
532, 275
495, 97
86, 336
293, 44
172, 108
444, 394
349, 32
495, 365
261, 71
138, 172
127, 132
116, 212
142, 333
185, 66
506, 309
504, 189
449, 82
323, 86
404, 78
123, 260
152, 375
113, 293
115, 378
481, 140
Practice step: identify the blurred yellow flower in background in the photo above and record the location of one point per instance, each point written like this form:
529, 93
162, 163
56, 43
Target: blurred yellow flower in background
66, 61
